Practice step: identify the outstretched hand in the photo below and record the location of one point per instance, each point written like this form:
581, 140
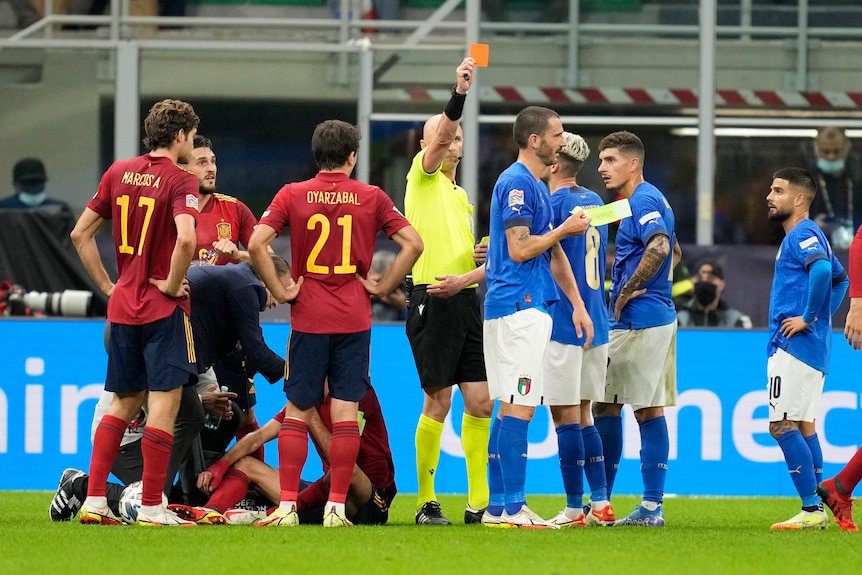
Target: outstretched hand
465, 75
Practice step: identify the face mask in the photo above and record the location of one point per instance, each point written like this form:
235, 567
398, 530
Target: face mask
833, 167
32, 199
704, 292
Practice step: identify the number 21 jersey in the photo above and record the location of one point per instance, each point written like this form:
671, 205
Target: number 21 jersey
333, 222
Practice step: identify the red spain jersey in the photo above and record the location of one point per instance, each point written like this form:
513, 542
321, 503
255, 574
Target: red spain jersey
142, 196
375, 455
333, 222
222, 218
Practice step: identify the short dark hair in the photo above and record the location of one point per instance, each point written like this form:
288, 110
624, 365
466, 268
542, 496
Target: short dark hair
626, 142
203, 142
165, 120
531, 120
798, 178
282, 268
717, 270
332, 143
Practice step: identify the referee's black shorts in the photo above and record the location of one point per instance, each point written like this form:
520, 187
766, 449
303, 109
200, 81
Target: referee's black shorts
446, 337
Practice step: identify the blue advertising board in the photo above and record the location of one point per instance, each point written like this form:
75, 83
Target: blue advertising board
51, 373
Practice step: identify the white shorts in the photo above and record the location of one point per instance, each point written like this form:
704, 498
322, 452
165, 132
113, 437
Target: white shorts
594, 373
642, 367
563, 373
574, 374
514, 355
794, 388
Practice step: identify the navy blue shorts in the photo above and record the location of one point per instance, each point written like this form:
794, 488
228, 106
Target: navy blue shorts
312, 357
157, 356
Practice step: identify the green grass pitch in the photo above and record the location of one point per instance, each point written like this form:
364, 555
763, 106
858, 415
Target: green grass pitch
703, 535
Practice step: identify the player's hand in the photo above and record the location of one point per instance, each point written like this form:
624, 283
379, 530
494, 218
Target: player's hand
623, 299
449, 285
480, 253
209, 480
108, 292
371, 285
583, 324
181, 292
291, 292
793, 325
853, 324
576, 224
227, 249
464, 75
217, 403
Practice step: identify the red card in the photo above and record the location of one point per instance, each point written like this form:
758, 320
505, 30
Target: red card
479, 52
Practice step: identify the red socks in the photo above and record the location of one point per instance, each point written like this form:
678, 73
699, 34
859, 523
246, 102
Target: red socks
106, 444
852, 472
292, 453
342, 458
232, 490
156, 449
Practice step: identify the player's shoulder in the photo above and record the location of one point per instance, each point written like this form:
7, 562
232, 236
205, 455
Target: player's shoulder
585, 196
225, 198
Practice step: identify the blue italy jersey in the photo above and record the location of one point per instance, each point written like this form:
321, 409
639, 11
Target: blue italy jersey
586, 255
804, 244
519, 199
651, 215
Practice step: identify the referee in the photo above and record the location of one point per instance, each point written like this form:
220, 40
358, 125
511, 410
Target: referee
444, 321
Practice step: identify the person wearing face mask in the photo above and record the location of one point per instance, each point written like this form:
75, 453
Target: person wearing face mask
28, 178
704, 307
837, 207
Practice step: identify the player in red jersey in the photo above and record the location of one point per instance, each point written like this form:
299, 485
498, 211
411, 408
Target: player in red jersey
333, 221
372, 487
152, 203
224, 221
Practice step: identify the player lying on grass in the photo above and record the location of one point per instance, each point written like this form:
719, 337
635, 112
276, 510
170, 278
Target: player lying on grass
372, 487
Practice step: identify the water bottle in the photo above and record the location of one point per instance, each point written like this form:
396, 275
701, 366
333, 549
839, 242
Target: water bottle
211, 422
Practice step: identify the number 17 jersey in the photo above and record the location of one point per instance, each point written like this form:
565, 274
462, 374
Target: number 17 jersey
142, 196
333, 222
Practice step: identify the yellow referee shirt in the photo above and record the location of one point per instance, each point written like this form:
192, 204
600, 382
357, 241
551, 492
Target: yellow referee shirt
438, 209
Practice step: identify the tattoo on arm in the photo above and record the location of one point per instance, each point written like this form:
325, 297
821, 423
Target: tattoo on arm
656, 253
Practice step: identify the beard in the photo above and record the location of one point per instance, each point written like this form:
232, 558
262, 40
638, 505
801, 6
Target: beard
778, 216
205, 190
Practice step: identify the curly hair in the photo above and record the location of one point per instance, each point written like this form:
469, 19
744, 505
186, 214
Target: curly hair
165, 120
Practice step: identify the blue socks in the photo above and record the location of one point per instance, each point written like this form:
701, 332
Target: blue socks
816, 455
495, 473
800, 464
654, 455
571, 451
610, 429
512, 444
594, 464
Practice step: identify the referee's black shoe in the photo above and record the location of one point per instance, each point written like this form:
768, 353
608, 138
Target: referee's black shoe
473, 516
430, 514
